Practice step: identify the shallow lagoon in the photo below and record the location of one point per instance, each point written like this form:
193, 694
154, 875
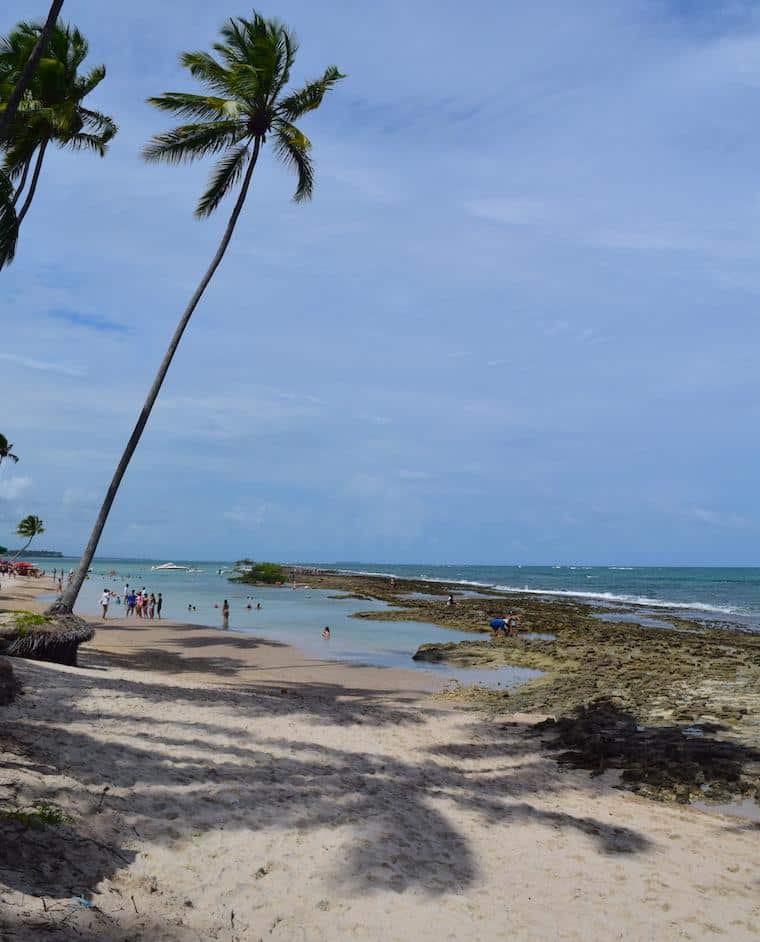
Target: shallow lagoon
294, 617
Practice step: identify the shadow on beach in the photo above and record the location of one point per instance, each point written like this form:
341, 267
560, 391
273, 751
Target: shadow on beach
171, 779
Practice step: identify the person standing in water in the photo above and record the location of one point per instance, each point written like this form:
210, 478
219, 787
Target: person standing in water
159, 605
105, 598
226, 614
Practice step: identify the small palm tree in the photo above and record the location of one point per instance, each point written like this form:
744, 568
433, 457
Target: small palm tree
5, 450
52, 111
245, 106
28, 528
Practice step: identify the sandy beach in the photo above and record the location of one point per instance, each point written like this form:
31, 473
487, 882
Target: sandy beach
216, 786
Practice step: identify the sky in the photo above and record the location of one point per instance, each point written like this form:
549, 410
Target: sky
518, 323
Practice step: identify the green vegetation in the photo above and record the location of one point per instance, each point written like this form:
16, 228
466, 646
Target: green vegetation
28, 528
26, 621
6, 449
261, 573
39, 816
52, 112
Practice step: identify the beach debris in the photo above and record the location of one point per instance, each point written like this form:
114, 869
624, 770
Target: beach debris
82, 901
102, 796
135, 905
262, 871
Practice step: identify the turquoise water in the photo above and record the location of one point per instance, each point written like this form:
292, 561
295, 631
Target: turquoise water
293, 617
297, 617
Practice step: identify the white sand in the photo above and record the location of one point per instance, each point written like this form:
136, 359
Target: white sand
336, 810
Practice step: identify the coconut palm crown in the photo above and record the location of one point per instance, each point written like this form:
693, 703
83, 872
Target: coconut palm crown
28, 528
6, 450
246, 104
52, 111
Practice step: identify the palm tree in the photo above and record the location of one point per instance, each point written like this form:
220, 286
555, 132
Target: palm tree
246, 102
8, 220
52, 112
29, 527
5, 450
8, 111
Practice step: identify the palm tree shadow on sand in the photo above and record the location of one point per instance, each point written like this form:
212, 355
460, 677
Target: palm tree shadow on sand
400, 812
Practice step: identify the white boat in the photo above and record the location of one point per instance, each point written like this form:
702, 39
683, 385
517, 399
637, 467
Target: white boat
170, 567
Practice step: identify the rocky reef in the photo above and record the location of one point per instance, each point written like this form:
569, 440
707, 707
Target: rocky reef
675, 709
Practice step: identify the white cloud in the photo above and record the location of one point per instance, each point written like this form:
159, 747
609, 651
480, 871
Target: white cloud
44, 366
12, 488
248, 517
716, 518
407, 475
515, 212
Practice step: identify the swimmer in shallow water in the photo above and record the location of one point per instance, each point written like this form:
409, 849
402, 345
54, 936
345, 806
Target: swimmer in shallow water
326, 632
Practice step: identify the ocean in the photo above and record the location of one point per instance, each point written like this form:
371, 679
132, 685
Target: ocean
297, 617
725, 594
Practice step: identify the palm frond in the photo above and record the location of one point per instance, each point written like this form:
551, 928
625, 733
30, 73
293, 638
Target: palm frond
207, 70
8, 222
98, 122
97, 143
186, 105
191, 141
292, 147
87, 83
226, 174
309, 97
18, 155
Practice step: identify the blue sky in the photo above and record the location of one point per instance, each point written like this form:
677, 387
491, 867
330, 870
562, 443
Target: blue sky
518, 323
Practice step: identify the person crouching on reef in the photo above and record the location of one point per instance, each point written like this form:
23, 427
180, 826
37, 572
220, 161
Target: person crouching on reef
326, 632
105, 598
499, 625
450, 600
226, 614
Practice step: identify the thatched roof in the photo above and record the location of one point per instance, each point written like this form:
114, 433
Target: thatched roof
43, 638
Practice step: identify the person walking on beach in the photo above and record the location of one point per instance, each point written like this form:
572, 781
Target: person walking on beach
226, 614
159, 605
105, 598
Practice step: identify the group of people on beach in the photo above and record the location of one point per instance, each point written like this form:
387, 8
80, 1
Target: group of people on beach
141, 604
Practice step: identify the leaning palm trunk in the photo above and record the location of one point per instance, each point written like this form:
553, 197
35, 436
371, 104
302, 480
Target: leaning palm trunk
23, 549
33, 185
69, 597
29, 68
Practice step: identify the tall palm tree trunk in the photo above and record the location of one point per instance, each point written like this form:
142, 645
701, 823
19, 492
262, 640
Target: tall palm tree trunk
31, 64
22, 550
69, 597
33, 185
22, 182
